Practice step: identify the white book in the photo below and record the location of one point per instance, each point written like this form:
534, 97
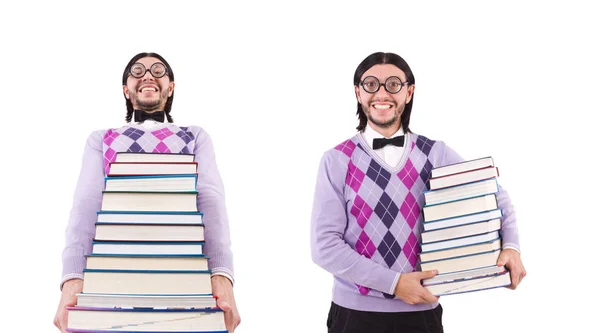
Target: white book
150, 201
462, 167
96, 320
462, 178
458, 264
461, 251
148, 232
147, 262
153, 183
460, 207
146, 301
153, 157
147, 247
469, 274
151, 168
459, 192
464, 219
458, 242
461, 231
470, 285
150, 217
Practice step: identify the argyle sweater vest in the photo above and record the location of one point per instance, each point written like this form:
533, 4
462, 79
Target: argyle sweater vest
169, 139
384, 205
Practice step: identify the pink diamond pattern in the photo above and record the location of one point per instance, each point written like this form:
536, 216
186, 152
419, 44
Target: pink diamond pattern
363, 290
361, 210
408, 174
110, 136
162, 133
411, 248
411, 210
346, 147
109, 156
364, 245
354, 177
161, 147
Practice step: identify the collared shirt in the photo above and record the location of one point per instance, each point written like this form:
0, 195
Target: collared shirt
390, 154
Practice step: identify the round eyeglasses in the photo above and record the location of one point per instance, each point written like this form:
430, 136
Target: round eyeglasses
393, 84
157, 70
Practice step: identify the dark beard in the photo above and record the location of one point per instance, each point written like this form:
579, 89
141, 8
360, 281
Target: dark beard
148, 105
386, 124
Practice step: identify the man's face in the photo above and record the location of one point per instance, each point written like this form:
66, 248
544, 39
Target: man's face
383, 109
148, 93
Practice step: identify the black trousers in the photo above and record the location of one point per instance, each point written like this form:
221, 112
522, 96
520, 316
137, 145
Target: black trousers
343, 320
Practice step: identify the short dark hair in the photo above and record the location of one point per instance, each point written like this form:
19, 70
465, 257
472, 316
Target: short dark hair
381, 58
170, 74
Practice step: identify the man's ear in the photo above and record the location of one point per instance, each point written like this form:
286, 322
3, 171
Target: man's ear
357, 93
410, 92
171, 88
126, 91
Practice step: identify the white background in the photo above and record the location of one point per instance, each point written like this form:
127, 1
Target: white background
272, 84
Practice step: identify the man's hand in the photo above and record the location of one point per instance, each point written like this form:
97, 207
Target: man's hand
68, 298
512, 260
410, 290
223, 291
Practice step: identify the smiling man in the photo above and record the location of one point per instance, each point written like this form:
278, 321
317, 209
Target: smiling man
366, 217
148, 87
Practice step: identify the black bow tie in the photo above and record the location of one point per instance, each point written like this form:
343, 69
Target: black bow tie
382, 142
141, 116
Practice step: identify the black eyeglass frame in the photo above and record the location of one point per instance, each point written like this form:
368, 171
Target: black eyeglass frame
385, 84
146, 70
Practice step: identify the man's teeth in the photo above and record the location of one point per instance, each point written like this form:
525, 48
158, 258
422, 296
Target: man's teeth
382, 107
148, 89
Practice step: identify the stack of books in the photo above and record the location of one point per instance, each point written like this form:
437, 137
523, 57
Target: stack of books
461, 229
147, 271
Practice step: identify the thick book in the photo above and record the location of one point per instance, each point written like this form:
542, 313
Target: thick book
461, 251
200, 301
464, 191
460, 231
464, 166
153, 157
198, 262
151, 168
459, 242
113, 281
462, 219
150, 217
108, 231
463, 263
154, 183
459, 207
150, 201
470, 281
462, 178
148, 248
89, 319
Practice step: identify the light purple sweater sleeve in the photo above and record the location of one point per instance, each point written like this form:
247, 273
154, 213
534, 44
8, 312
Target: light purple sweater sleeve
328, 223
509, 231
87, 200
211, 201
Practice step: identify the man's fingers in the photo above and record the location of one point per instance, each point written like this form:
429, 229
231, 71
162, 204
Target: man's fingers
428, 274
229, 325
223, 305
